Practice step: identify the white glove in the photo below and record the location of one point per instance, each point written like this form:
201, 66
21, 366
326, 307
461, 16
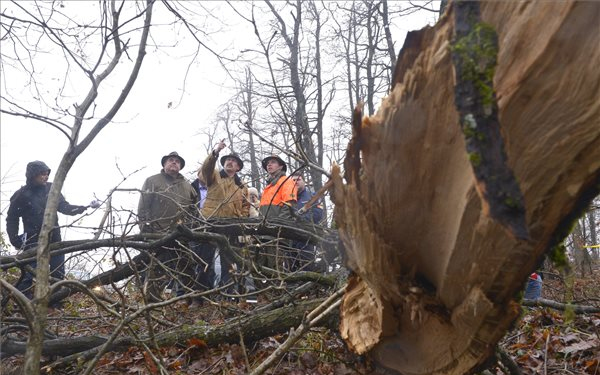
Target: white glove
95, 203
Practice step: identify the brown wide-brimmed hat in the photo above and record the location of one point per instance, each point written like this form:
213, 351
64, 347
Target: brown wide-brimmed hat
236, 157
175, 154
279, 160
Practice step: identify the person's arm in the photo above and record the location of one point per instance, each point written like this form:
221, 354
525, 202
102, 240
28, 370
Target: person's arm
191, 209
289, 197
66, 208
207, 174
317, 212
208, 167
145, 205
245, 202
12, 222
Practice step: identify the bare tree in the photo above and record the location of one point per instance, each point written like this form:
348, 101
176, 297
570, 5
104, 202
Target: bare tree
47, 23
248, 110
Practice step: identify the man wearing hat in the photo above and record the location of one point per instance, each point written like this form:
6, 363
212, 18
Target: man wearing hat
278, 200
227, 197
167, 199
29, 204
279, 196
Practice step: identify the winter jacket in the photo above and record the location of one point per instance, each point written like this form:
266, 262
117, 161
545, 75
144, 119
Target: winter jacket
227, 196
202, 192
279, 193
315, 213
166, 202
29, 204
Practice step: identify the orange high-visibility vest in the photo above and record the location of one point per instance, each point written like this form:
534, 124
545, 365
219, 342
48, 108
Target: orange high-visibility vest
276, 195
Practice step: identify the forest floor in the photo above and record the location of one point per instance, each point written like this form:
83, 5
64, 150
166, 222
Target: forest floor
543, 341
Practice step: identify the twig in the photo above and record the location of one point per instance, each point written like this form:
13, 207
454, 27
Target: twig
508, 362
244, 350
311, 319
546, 354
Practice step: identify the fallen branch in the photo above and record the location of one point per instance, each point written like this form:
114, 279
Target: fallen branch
507, 361
310, 321
253, 328
577, 309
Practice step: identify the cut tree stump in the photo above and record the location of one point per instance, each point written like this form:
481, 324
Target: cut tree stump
437, 267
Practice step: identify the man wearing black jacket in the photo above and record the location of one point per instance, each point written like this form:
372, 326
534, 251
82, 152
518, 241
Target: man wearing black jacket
29, 204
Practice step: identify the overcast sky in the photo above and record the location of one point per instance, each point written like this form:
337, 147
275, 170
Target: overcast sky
146, 128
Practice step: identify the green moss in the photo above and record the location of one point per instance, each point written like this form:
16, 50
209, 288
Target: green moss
469, 128
520, 295
558, 256
569, 314
475, 159
511, 202
478, 51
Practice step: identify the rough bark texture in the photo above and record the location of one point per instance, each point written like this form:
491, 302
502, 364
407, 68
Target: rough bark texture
435, 274
253, 328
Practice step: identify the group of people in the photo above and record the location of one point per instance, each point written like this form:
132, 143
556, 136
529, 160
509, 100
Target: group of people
168, 199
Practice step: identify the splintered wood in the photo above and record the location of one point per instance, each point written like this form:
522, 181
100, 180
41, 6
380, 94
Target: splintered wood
435, 273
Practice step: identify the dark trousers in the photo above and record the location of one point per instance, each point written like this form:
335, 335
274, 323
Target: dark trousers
57, 271
170, 263
301, 255
204, 271
206, 277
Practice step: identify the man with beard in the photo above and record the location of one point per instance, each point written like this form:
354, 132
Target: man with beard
167, 200
227, 197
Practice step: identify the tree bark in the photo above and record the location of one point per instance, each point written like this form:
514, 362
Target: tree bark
40, 301
436, 270
253, 327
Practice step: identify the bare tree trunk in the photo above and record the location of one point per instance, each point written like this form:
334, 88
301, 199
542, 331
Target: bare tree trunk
249, 112
318, 129
304, 143
371, 25
358, 95
40, 301
593, 235
388, 34
579, 249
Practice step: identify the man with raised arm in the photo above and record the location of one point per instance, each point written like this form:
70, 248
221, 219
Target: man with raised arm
227, 197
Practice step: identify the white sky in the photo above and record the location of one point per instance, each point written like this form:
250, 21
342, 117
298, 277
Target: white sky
144, 130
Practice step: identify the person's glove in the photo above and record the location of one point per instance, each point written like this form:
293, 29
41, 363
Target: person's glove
95, 204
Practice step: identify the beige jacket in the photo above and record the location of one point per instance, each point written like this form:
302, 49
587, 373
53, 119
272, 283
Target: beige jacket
225, 197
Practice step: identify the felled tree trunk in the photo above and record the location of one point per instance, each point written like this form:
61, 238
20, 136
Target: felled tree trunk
454, 194
253, 328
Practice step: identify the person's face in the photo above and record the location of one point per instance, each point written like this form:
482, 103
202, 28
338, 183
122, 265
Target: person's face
41, 179
231, 166
300, 184
172, 166
273, 166
253, 197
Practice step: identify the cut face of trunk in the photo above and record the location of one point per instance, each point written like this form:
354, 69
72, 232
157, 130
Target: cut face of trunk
437, 266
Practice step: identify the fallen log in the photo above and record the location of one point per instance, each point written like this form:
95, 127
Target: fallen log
253, 328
